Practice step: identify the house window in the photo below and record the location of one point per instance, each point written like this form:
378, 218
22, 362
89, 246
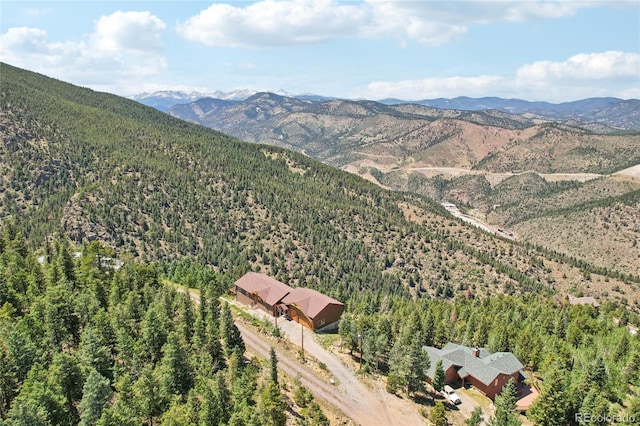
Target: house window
321, 322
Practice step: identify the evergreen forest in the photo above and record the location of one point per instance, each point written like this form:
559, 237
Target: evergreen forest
86, 339
82, 342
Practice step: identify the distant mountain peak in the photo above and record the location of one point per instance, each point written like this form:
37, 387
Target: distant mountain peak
179, 95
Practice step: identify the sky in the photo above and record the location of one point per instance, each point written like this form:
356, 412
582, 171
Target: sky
554, 51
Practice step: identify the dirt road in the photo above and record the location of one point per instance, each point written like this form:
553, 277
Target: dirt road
634, 171
293, 368
365, 406
360, 407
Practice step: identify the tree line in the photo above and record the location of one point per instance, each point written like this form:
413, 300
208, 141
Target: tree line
84, 343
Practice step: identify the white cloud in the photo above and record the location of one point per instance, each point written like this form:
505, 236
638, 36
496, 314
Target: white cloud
128, 32
585, 66
24, 39
581, 76
289, 22
269, 23
124, 48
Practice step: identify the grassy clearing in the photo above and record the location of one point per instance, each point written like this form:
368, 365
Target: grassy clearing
328, 340
181, 287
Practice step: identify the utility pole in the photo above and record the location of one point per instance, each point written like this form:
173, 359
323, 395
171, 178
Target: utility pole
302, 331
361, 336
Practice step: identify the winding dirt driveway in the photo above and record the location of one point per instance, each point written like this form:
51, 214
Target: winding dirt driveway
365, 406
320, 389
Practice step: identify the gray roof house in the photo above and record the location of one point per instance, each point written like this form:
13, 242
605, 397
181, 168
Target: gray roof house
487, 371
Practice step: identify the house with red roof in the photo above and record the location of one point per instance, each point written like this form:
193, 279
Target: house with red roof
314, 310
262, 291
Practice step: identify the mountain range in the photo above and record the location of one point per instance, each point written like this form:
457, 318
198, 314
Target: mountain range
618, 114
512, 172
93, 166
177, 202
163, 99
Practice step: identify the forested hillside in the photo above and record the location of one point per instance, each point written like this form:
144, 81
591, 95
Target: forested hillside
93, 166
583, 361
119, 180
83, 343
567, 216
480, 159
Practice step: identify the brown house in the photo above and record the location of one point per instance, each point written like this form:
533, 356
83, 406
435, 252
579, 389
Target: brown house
486, 371
312, 309
262, 291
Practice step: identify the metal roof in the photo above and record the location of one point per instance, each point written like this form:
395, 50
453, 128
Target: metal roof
309, 301
270, 290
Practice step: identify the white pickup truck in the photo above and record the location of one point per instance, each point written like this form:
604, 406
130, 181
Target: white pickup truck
451, 395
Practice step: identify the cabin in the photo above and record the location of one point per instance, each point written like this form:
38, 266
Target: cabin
314, 310
262, 291
486, 371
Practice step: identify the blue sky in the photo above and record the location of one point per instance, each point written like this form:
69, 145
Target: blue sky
552, 51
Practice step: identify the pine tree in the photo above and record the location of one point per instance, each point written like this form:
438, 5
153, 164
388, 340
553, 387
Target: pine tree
438, 415
552, 407
632, 370
8, 383
314, 416
438, 377
96, 394
348, 335
597, 373
505, 403
125, 409
178, 414
230, 333
148, 394
60, 320
21, 348
274, 366
216, 402
476, 418
186, 317
397, 365
272, 406
212, 339
245, 386
37, 403
596, 406
154, 333
175, 370
417, 364
66, 378
93, 354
